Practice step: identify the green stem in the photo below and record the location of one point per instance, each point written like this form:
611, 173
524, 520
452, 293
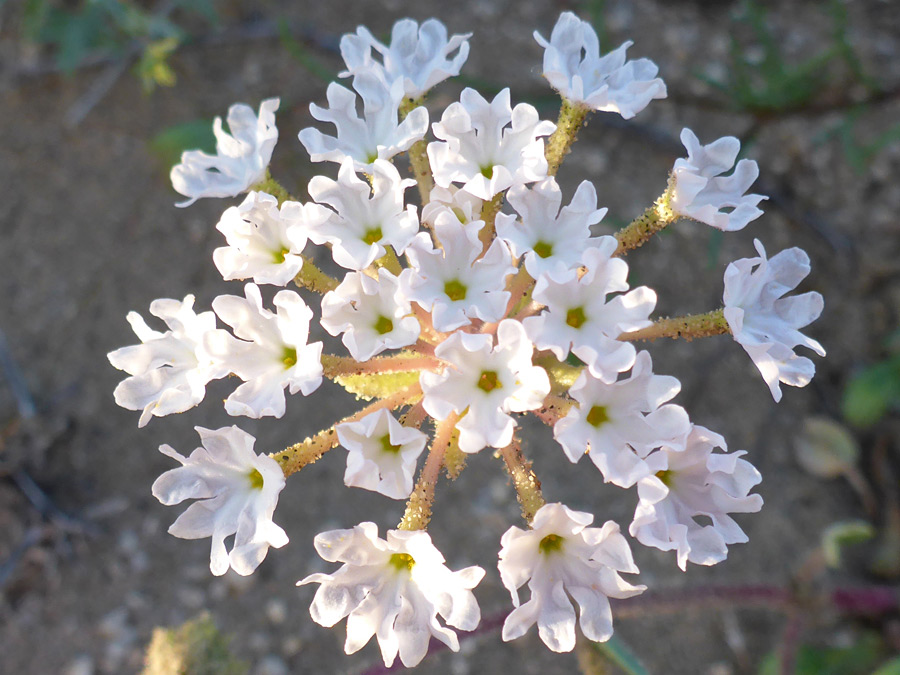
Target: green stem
271, 186
528, 487
489, 211
687, 327
418, 154
571, 117
295, 457
640, 230
418, 508
314, 279
337, 366
520, 288
390, 261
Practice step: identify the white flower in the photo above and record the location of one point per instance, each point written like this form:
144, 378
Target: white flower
382, 454
701, 193
419, 57
560, 557
464, 205
574, 67
455, 282
477, 148
768, 325
240, 160
695, 482
619, 424
579, 317
272, 353
488, 382
169, 371
372, 314
550, 239
378, 135
394, 590
238, 491
363, 226
265, 242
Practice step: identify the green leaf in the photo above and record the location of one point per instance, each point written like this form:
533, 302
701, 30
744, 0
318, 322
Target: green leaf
825, 448
892, 667
621, 654
872, 392
196, 647
170, 143
153, 68
79, 35
859, 657
34, 19
838, 535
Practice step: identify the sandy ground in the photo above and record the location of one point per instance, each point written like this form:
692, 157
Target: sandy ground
88, 232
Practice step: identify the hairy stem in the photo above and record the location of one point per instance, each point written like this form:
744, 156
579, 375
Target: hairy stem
489, 211
418, 508
414, 416
520, 288
272, 187
295, 457
655, 219
528, 487
337, 366
686, 327
314, 279
418, 154
571, 117
555, 408
389, 261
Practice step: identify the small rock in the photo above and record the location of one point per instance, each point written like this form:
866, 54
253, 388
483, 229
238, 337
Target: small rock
291, 646
276, 611
272, 665
80, 665
114, 624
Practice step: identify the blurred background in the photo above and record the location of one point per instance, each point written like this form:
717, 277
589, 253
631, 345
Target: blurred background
98, 99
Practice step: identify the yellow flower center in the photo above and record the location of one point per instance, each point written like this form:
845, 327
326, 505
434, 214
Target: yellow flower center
543, 249
384, 325
575, 317
455, 290
551, 543
489, 381
373, 235
290, 357
597, 416
278, 256
256, 479
387, 446
402, 562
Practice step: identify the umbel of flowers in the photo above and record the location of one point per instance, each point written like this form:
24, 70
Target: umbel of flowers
489, 300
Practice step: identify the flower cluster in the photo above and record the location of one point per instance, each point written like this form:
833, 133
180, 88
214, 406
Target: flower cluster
461, 316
